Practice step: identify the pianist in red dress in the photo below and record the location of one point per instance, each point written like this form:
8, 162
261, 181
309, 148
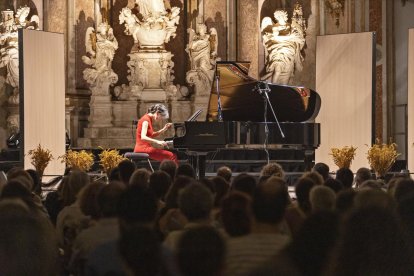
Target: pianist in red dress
146, 134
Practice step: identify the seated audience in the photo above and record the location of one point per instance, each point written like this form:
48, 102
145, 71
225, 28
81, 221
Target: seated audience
185, 170
126, 169
246, 252
322, 169
372, 243
169, 167
322, 198
140, 177
201, 252
195, 202
362, 175
244, 183
272, 169
225, 172
346, 176
237, 214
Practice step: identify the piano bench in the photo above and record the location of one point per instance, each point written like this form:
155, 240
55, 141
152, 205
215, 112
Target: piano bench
137, 156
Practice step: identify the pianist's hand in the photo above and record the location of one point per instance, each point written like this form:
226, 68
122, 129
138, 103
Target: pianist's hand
163, 144
167, 126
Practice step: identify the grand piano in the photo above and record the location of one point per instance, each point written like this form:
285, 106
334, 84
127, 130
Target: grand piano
247, 119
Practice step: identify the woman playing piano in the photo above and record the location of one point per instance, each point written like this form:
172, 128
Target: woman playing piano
145, 134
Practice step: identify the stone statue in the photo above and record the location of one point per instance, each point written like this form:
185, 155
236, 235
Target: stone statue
202, 50
157, 25
9, 47
9, 56
101, 46
283, 43
149, 8
150, 65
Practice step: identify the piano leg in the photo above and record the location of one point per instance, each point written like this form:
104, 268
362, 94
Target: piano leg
309, 159
198, 162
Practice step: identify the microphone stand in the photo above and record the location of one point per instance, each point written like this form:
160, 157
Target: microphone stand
264, 93
267, 100
219, 110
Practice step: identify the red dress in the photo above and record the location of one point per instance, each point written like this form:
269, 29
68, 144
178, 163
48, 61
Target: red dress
146, 147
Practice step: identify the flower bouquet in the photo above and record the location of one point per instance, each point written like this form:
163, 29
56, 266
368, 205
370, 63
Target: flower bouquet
40, 159
381, 157
343, 157
109, 159
80, 160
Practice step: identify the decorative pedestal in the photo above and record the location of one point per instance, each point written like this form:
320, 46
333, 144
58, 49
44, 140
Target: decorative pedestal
100, 111
13, 118
111, 137
201, 102
125, 112
151, 71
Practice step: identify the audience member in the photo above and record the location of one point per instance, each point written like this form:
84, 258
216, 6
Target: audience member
244, 183
185, 170
27, 244
346, 176
248, 251
104, 230
88, 200
272, 169
195, 203
362, 175
201, 252
297, 211
315, 177
237, 214
403, 189
372, 243
140, 177
322, 198
136, 208
345, 201
126, 169
225, 172
334, 184
322, 169
160, 182
169, 167
141, 252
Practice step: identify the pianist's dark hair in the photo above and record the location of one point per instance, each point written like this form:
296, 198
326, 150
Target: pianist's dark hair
160, 108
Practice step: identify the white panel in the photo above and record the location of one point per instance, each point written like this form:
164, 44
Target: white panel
344, 81
410, 107
43, 96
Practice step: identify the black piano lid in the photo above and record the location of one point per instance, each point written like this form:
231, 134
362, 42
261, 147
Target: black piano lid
241, 102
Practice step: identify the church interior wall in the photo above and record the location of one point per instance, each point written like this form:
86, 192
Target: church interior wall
73, 17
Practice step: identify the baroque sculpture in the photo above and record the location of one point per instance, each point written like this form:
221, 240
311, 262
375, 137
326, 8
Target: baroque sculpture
202, 50
283, 43
9, 56
150, 65
101, 45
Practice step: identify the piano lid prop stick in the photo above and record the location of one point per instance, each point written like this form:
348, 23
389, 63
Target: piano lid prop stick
219, 111
271, 108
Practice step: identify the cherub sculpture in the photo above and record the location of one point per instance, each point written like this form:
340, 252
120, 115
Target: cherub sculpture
283, 43
132, 23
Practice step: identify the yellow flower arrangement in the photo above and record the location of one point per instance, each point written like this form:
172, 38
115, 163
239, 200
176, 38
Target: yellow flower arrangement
81, 160
381, 157
343, 157
109, 159
40, 159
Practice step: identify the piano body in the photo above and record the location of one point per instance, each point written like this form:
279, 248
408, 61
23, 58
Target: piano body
244, 124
